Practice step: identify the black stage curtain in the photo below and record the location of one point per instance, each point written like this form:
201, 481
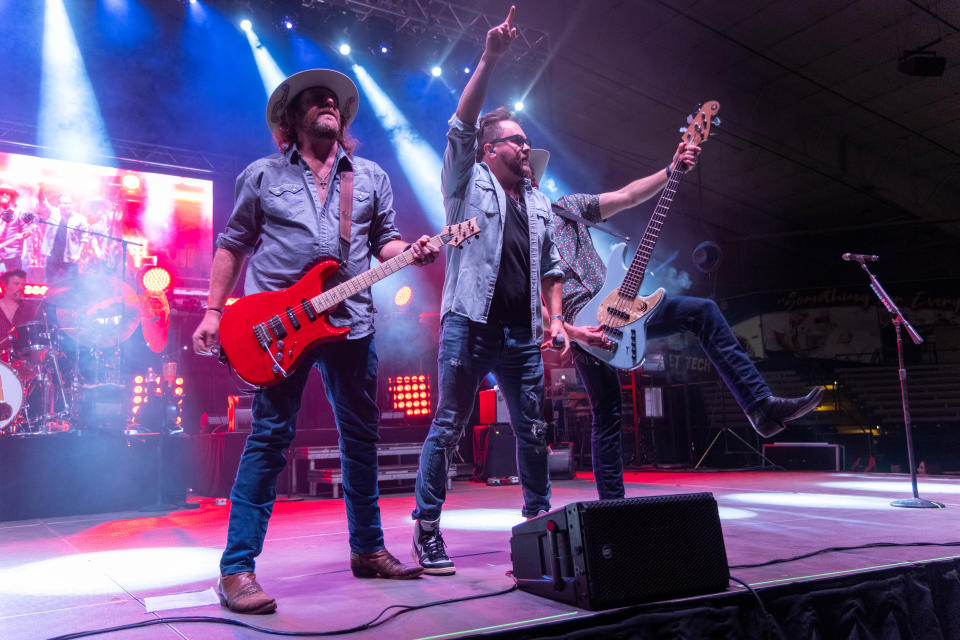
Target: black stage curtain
916, 602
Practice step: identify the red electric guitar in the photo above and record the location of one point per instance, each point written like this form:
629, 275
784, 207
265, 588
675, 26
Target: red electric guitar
264, 335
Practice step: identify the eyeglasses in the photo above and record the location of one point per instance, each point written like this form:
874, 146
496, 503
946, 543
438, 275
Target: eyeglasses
516, 139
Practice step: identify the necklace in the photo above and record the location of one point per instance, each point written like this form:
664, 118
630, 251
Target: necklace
324, 180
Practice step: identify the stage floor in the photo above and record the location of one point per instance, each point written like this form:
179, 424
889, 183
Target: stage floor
64, 575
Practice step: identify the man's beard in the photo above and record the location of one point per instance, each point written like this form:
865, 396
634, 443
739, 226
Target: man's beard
322, 128
515, 165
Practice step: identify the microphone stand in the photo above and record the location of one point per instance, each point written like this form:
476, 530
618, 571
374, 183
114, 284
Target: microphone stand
916, 502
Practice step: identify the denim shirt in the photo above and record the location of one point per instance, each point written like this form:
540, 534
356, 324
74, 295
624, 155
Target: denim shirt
279, 221
470, 189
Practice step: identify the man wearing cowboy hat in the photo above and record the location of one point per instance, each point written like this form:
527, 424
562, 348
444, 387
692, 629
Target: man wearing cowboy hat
491, 300
63, 241
583, 279
286, 218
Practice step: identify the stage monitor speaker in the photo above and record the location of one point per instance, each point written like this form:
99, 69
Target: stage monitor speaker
613, 553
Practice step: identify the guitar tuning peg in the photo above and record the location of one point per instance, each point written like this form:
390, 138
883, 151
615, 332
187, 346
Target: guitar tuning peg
689, 119
716, 121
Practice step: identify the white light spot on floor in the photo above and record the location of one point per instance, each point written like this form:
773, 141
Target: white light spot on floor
481, 519
111, 571
893, 486
811, 500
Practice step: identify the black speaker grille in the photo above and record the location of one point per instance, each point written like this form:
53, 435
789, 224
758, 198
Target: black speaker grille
639, 549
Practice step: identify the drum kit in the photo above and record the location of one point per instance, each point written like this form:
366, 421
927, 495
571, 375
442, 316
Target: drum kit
48, 365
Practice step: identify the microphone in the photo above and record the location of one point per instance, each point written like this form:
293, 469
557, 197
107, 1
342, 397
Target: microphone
859, 257
557, 342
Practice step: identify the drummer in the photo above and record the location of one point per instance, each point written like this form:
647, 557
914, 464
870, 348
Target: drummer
14, 310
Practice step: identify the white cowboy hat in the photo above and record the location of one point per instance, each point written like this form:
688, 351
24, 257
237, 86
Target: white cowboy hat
347, 95
538, 159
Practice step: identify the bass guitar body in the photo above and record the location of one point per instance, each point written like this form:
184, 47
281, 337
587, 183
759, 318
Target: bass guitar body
622, 318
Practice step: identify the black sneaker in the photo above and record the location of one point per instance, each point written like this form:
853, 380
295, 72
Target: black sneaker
430, 552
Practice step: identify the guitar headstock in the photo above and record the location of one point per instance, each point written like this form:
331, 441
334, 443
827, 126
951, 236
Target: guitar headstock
699, 123
457, 234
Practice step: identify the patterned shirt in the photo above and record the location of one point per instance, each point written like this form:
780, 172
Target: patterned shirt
583, 270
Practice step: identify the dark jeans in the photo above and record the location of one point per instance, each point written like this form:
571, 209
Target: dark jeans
349, 370
468, 352
699, 316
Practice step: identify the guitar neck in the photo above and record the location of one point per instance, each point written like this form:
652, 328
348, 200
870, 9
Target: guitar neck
333, 297
638, 267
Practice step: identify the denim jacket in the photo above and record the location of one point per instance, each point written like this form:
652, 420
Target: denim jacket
280, 223
470, 189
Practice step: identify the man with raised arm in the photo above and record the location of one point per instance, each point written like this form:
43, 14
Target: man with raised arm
491, 300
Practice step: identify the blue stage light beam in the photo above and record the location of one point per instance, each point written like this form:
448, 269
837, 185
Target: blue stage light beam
71, 124
418, 160
270, 71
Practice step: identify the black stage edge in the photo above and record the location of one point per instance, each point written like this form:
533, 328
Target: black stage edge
916, 600
73, 473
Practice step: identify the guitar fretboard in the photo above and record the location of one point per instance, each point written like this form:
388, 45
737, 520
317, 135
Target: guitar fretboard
333, 297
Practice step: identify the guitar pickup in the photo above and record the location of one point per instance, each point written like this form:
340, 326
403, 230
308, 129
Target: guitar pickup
613, 331
308, 309
623, 315
292, 317
263, 335
276, 326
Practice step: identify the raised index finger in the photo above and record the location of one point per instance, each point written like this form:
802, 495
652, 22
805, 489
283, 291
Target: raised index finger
509, 20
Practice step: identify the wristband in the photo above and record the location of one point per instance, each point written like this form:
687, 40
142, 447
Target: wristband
220, 311
669, 171
557, 316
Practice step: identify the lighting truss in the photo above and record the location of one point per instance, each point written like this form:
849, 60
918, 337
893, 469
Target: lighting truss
20, 137
441, 18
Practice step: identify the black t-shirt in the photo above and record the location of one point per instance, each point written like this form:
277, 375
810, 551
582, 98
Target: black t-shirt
511, 296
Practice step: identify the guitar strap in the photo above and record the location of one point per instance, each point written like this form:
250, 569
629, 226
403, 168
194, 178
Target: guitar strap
346, 212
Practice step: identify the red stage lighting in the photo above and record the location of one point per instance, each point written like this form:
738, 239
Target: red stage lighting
410, 394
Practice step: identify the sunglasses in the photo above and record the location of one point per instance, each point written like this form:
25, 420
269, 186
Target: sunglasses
516, 139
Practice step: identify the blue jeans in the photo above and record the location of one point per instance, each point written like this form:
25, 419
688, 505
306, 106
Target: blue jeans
699, 316
702, 317
602, 384
349, 370
469, 351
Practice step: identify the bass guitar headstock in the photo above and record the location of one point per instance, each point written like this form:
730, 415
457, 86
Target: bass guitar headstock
699, 123
456, 235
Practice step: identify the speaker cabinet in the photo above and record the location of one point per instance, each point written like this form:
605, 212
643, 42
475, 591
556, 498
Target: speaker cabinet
612, 553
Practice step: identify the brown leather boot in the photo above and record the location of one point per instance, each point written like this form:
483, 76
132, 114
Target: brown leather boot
382, 563
241, 593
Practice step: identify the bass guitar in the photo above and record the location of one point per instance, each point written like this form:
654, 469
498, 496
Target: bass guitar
617, 308
264, 336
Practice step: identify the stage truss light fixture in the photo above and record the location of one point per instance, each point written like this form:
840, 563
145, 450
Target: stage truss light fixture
410, 394
246, 25
403, 296
518, 105
156, 279
466, 69
345, 49
384, 49
436, 71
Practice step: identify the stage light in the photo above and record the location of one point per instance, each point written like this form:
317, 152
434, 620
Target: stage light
70, 118
412, 404
246, 25
384, 49
466, 69
403, 296
288, 24
138, 379
270, 72
345, 49
436, 71
156, 279
130, 181
518, 105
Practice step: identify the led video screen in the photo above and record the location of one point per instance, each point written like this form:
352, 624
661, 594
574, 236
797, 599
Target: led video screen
67, 219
